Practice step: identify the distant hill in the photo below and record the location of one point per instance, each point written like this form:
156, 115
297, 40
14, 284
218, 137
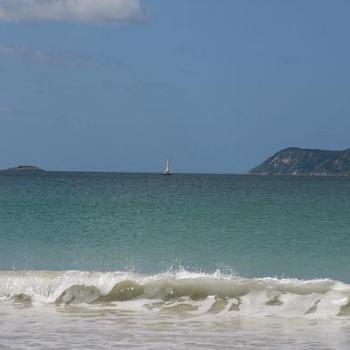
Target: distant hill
24, 168
299, 161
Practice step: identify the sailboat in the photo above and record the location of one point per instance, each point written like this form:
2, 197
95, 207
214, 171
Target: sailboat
167, 170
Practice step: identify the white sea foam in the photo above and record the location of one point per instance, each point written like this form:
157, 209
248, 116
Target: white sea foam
180, 292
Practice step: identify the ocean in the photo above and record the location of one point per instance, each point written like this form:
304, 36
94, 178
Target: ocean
106, 260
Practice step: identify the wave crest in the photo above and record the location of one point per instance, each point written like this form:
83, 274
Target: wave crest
180, 292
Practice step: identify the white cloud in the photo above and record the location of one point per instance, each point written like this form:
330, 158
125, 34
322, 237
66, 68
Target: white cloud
43, 57
70, 10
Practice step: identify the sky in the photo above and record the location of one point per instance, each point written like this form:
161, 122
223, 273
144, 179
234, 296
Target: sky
216, 86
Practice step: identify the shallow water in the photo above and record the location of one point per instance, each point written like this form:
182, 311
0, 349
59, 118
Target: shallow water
92, 260
77, 327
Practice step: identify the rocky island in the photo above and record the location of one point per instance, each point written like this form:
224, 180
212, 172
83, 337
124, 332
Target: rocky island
300, 161
24, 168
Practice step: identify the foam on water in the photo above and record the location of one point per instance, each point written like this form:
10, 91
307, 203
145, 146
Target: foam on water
181, 292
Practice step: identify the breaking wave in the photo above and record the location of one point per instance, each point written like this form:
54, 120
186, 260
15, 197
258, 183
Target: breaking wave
179, 292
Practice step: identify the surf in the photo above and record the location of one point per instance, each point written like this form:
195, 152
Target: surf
181, 292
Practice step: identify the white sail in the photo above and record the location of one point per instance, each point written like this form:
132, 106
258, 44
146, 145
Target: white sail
167, 170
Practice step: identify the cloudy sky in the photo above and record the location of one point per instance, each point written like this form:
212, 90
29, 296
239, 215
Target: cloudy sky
214, 85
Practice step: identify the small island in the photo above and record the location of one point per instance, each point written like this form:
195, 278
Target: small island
300, 161
24, 168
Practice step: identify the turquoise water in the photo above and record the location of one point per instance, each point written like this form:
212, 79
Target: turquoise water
99, 260
248, 225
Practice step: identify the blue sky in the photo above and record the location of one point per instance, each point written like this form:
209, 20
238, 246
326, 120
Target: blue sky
213, 85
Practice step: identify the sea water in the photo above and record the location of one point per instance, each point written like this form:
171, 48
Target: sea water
101, 260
